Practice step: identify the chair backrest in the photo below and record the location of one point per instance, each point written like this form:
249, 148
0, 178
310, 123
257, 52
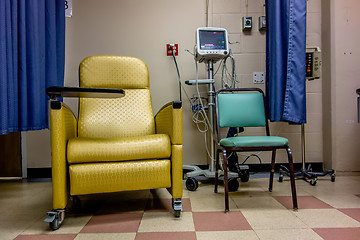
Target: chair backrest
240, 107
131, 115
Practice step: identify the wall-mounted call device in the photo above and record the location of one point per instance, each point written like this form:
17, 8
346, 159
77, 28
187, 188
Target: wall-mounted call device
247, 23
211, 44
313, 63
262, 23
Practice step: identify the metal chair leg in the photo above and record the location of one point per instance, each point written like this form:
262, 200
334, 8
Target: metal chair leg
216, 172
272, 170
292, 178
226, 186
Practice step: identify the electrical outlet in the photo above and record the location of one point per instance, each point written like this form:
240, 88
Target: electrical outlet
258, 77
170, 47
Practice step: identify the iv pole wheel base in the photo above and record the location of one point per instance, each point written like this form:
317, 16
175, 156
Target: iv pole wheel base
281, 178
244, 176
333, 177
313, 181
191, 184
233, 184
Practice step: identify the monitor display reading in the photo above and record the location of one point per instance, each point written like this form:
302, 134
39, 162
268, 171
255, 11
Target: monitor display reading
212, 40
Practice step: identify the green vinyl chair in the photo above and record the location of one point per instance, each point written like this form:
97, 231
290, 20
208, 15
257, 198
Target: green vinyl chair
245, 107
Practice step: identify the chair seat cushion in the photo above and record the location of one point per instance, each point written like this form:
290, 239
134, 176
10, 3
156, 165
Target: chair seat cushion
86, 150
254, 141
91, 178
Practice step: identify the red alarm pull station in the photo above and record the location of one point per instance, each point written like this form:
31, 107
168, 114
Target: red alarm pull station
172, 47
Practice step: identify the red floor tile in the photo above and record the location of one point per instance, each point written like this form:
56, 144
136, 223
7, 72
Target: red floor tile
352, 212
220, 221
338, 233
113, 223
304, 202
165, 205
46, 237
167, 236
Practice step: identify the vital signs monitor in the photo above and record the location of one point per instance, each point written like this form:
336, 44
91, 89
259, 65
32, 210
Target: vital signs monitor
211, 44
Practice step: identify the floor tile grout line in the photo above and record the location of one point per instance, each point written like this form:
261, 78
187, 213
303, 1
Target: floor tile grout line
302, 189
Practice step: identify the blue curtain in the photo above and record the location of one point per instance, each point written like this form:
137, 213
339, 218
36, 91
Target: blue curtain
285, 60
32, 47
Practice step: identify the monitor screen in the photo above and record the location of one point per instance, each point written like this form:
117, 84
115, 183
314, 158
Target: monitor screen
212, 40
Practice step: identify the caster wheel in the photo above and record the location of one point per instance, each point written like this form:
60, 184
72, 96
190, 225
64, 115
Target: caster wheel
281, 178
55, 219
177, 213
245, 175
233, 185
54, 225
333, 177
191, 184
313, 182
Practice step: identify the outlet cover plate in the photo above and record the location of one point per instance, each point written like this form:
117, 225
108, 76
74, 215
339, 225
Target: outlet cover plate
258, 77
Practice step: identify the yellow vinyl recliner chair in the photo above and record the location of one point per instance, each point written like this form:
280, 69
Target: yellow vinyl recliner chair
115, 144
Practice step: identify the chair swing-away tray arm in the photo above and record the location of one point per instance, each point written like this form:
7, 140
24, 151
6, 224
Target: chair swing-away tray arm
80, 92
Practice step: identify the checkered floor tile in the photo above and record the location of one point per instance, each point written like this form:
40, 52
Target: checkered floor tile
329, 210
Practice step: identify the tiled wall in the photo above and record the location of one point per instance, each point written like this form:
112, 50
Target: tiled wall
250, 57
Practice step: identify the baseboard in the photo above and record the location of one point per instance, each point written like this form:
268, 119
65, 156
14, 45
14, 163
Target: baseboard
39, 173
265, 167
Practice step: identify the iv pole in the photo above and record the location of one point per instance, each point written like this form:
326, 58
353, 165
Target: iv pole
195, 171
313, 63
209, 57
211, 104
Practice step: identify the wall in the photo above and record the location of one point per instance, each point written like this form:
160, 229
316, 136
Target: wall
142, 29
327, 73
38, 148
342, 41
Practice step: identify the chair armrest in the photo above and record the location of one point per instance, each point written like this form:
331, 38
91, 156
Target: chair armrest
63, 125
169, 121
